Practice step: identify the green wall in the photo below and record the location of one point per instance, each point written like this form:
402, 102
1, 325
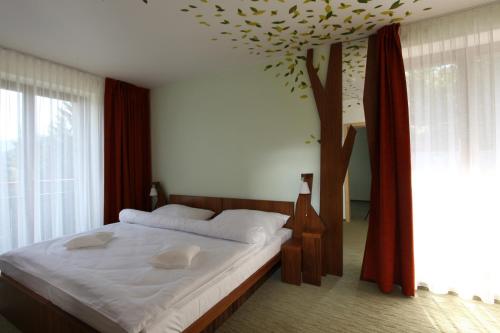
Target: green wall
242, 133
359, 168
235, 134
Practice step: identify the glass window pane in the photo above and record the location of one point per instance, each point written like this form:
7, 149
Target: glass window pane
55, 172
11, 106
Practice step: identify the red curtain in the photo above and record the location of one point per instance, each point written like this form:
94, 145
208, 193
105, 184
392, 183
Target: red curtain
388, 258
127, 149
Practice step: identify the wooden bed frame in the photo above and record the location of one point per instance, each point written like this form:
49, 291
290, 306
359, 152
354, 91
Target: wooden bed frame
31, 312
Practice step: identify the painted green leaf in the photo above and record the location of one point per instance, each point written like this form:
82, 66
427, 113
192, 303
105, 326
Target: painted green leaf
256, 11
253, 23
396, 4
359, 11
305, 27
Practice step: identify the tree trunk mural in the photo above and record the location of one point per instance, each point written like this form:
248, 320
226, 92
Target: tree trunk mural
334, 155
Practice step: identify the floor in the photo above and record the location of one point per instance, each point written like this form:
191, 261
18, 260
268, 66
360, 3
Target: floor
349, 305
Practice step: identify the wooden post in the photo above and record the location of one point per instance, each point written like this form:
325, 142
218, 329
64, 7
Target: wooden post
334, 155
305, 218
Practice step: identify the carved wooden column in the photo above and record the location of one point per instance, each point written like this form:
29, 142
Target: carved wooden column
334, 155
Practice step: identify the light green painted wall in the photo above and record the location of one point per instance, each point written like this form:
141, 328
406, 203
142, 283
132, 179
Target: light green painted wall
359, 168
234, 134
242, 133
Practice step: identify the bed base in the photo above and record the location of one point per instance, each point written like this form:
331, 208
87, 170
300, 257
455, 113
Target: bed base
216, 316
32, 313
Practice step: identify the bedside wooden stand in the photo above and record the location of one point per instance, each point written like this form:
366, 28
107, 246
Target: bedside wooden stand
312, 258
302, 257
291, 262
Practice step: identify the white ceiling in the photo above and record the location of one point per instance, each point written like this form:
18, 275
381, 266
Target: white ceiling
150, 45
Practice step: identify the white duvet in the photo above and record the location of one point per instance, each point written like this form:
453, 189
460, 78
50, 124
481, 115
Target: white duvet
118, 281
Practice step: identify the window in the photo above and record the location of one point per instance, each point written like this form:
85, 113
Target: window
453, 79
50, 151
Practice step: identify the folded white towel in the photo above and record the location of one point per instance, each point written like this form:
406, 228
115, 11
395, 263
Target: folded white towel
175, 257
89, 240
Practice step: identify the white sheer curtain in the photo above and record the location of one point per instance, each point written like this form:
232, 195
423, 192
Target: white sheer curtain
51, 150
453, 77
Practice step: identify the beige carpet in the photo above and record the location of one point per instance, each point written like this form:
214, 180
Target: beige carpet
349, 305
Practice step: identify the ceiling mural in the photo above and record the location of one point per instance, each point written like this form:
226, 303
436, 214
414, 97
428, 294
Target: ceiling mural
282, 30
353, 79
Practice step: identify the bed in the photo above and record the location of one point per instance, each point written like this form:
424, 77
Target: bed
202, 300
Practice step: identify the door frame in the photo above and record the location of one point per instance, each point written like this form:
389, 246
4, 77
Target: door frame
347, 194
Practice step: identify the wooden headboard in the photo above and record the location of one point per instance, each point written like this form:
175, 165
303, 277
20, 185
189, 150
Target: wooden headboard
219, 204
212, 203
283, 207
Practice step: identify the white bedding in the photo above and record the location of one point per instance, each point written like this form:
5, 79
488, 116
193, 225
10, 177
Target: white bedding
115, 289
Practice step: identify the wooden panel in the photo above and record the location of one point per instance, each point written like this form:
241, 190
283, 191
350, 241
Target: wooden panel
211, 203
302, 206
229, 304
291, 262
305, 218
311, 258
324, 269
219, 204
32, 313
283, 207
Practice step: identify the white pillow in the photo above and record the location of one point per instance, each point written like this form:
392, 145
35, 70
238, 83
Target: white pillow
239, 232
89, 240
269, 222
175, 257
184, 211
